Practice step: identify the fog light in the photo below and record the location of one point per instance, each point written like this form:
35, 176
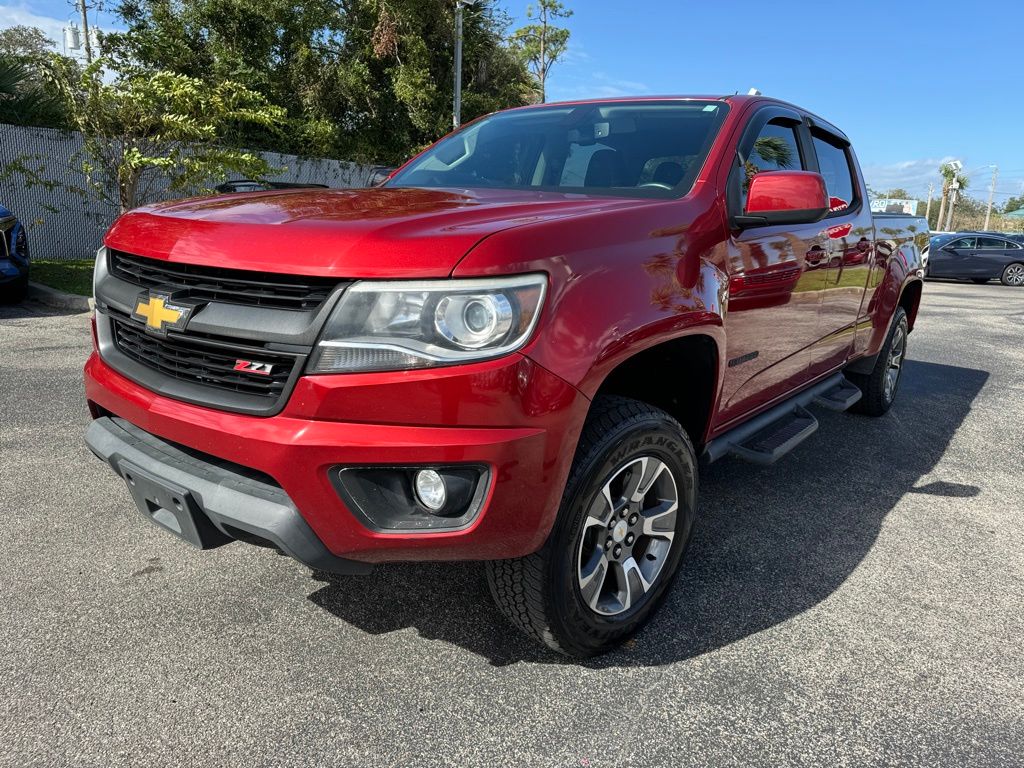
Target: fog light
413, 498
430, 489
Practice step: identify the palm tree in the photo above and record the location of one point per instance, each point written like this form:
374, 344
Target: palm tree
950, 175
24, 102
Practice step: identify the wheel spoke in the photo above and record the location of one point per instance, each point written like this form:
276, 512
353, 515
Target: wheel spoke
652, 474
634, 585
636, 477
592, 583
660, 521
601, 510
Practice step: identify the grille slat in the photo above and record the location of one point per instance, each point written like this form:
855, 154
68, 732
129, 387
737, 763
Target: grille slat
202, 362
232, 286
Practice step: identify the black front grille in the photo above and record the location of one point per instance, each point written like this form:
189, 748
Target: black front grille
233, 286
210, 364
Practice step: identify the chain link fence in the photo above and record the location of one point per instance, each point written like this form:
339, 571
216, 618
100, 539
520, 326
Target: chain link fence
39, 176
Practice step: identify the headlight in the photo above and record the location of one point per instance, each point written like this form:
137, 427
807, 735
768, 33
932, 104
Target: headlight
388, 326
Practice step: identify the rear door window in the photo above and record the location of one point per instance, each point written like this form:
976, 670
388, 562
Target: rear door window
835, 167
992, 243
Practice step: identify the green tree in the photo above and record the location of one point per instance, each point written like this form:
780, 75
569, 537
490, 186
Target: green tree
898, 193
541, 44
358, 79
144, 133
1013, 204
24, 99
29, 43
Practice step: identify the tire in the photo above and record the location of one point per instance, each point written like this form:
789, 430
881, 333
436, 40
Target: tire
15, 292
1013, 275
580, 595
879, 388
979, 280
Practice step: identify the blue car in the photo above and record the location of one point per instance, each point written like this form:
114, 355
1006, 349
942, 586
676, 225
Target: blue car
14, 259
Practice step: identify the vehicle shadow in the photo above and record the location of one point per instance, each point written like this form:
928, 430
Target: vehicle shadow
770, 543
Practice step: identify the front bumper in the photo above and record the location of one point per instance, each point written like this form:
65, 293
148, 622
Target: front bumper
207, 503
11, 270
509, 415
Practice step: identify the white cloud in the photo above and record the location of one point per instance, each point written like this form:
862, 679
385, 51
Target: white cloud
21, 15
595, 85
912, 175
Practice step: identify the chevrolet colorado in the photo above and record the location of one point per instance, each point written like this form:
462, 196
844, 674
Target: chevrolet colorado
514, 350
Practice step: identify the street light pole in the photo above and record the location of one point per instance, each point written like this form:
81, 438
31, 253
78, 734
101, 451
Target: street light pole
952, 202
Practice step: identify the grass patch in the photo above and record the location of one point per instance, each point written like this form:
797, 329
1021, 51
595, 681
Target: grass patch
68, 276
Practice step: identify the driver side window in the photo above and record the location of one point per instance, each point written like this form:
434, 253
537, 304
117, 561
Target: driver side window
775, 149
963, 244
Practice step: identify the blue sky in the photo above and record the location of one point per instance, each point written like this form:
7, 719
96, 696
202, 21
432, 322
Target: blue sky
877, 70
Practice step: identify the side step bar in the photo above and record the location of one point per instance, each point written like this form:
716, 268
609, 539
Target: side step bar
767, 438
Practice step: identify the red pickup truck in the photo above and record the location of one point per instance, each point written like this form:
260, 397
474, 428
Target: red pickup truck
515, 350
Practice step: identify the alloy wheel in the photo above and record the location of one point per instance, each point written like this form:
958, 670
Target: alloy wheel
897, 350
1015, 274
627, 536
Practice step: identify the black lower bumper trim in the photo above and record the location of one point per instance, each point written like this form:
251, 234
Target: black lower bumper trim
205, 501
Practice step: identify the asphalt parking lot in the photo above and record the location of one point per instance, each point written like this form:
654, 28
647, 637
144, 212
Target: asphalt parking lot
862, 603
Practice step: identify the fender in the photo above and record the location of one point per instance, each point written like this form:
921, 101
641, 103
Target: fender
621, 281
866, 364
901, 257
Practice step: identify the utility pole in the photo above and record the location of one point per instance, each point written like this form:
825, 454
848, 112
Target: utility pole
928, 208
991, 194
85, 30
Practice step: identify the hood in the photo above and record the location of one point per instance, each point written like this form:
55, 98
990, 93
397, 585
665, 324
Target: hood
369, 233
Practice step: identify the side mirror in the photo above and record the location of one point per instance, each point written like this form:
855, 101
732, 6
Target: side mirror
785, 197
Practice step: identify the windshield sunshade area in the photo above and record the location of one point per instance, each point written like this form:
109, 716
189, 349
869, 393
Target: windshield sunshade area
634, 149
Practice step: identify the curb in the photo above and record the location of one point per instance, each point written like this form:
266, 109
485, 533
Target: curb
54, 298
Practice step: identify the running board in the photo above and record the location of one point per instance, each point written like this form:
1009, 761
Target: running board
778, 438
840, 397
768, 437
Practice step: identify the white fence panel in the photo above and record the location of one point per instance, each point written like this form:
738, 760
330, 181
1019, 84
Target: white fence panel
63, 225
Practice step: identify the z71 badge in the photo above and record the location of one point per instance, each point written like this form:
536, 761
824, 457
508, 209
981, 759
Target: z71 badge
251, 366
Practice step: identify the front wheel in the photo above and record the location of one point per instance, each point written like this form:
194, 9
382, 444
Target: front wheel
1013, 275
621, 531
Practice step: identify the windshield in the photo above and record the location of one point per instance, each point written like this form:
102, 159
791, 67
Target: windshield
637, 149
